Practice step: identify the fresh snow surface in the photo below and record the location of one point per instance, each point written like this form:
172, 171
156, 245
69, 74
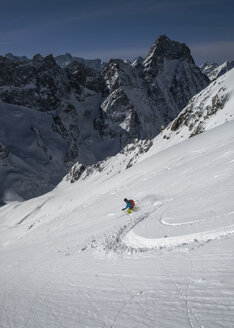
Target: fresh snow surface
71, 258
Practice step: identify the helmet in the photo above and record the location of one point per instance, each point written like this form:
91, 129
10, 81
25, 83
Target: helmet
125, 199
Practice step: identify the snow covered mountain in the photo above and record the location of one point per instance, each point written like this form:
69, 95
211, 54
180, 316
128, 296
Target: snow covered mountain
72, 258
213, 70
93, 114
150, 93
210, 108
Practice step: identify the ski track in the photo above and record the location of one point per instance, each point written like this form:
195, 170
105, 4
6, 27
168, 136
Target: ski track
146, 313
124, 240
132, 297
162, 221
36, 210
190, 312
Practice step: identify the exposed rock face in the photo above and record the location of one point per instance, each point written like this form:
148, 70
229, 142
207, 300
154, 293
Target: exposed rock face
125, 159
195, 119
75, 172
36, 84
94, 113
170, 66
164, 48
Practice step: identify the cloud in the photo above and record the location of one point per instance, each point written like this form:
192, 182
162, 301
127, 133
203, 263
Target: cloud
213, 51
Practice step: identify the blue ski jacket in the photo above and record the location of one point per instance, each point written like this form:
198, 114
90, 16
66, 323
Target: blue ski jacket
129, 205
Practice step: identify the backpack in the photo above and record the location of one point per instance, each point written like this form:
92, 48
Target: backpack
132, 202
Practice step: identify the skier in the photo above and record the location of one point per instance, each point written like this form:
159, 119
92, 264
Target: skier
130, 205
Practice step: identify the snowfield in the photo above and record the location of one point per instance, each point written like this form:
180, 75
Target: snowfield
71, 258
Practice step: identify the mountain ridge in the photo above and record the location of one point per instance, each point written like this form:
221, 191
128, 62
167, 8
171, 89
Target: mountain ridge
214, 70
94, 113
210, 108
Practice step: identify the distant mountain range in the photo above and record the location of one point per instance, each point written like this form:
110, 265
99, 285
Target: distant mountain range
210, 69
60, 111
63, 60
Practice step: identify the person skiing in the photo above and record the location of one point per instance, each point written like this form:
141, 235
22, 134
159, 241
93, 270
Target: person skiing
130, 205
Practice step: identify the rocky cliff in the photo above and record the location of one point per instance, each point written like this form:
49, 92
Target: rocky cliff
150, 92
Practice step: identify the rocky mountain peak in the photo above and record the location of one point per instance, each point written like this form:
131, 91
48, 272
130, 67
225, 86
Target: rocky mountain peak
46, 62
146, 94
37, 58
171, 49
50, 60
47, 73
165, 49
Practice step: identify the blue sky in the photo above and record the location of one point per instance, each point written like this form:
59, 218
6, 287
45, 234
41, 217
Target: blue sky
116, 28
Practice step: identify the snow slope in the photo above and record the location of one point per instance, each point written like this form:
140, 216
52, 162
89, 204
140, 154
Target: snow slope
71, 258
